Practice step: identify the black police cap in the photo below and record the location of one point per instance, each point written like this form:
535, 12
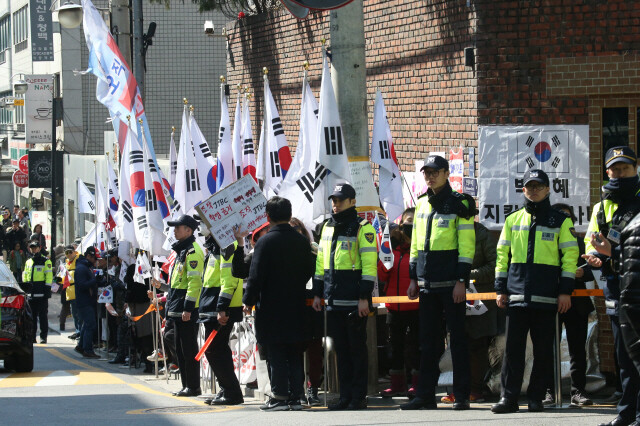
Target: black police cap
185, 220
536, 175
343, 191
619, 154
435, 162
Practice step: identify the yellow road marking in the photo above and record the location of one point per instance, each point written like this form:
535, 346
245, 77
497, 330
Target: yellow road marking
64, 357
96, 378
82, 377
20, 380
143, 388
211, 410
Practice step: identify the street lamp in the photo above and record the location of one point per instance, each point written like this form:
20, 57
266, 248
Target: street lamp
69, 14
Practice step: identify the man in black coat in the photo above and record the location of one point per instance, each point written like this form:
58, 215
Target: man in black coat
14, 235
630, 290
282, 265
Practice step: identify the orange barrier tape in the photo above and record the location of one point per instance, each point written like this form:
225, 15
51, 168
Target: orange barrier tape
151, 308
471, 296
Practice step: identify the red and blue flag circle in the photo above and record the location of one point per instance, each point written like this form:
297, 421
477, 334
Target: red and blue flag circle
542, 151
113, 204
212, 178
386, 249
162, 201
137, 189
284, 156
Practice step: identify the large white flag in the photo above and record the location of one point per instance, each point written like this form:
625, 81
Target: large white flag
332, 150
248, 148
383, 154
102, 211
187, 190
224, 173
236, 140
173, 162
205, 162
138, 193
305, 173
86, 201
113, 193
274, 157
126, 227
143, 269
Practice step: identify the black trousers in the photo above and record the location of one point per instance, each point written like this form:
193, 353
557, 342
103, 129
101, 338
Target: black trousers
40, 310
576, 324
520, 322
287, 369
403, 339
432, 307
186, 351
629, 405
349, 336
169, 338
221, 359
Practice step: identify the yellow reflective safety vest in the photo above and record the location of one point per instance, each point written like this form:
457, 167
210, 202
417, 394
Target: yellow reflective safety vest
443, 241
39, 273
346, 265
220, 289
185, 279
537, 257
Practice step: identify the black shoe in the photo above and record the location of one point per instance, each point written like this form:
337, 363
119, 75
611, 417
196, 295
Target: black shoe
79, 350
548, 399
181, 390
73, 336
294, 404
189, 392
359, 404
339, 405
535, 406
461, 405
275, 405
618, 421
210, 401
613, 399
227, 401
118, 360
43, 341
505, 406
312, 397
418, 403
90, 355
579, 399
62, 327
34, 340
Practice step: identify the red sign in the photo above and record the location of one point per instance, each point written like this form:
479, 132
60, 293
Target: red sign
21, 180
23, 164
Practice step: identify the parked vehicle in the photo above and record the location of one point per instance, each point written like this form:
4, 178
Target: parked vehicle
16, 322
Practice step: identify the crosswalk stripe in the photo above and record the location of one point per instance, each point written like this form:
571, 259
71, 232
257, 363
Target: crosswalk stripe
58, 378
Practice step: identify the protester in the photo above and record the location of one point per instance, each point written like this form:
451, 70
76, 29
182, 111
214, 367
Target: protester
69, 292
136, 302
118, 306
39, 237
281, 266
38, 277
576, 322
25, 224
17, 260
220, 308
15, 234
535, 272
620, 204
6, 219
630, 290
241, 262
346, 268
86, 299
402, 318
16, 212
442, 250
314, 328
182, 302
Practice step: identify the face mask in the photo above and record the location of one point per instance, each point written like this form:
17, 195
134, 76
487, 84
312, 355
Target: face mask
407, 229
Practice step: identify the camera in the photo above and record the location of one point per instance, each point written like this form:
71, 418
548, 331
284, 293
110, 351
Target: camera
208, 27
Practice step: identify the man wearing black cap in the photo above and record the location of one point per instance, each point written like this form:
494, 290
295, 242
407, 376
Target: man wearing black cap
535, 273
185, 280
15, 235
38, 276
443, 243
346, 269
86, 291
620, 203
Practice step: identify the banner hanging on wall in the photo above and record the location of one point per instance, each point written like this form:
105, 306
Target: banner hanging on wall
507, 152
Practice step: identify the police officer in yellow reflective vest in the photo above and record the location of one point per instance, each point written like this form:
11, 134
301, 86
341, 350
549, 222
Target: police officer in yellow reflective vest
185, 280
346, 269
620, 204
443, 243
535, 273
221, 307
38, 277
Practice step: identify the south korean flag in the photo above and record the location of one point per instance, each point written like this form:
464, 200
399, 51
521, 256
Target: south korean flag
546, 150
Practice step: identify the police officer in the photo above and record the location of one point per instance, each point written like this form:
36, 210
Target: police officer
346, 268
221, 307
442, 248
535, 272
619, 205
185, 280
38, 274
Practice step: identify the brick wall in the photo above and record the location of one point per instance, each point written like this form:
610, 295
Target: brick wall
535, 64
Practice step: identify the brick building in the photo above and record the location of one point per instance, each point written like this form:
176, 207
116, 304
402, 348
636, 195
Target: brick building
535, 63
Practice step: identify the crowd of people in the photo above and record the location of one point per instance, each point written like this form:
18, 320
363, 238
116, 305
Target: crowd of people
293, 279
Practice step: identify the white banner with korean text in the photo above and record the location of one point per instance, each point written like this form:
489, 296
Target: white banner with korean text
507, 152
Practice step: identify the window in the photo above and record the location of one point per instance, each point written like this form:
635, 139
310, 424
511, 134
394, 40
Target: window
5, 37
615, 129
20, 29
6, 116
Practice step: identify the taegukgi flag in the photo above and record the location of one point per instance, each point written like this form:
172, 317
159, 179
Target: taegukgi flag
224, 171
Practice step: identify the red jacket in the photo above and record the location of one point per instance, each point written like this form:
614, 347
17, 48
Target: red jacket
397, 279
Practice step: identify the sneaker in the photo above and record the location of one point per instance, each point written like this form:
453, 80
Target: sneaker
476, 397
274, 404
448, 399
174, 369
156, 355
548, 399
312, 397
294, 404
252, 385
578, 399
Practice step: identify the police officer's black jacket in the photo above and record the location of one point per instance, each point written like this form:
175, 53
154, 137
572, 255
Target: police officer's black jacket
630, 289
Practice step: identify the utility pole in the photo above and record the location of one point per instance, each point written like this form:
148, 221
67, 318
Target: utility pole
121, 27
138, 55
349, 77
